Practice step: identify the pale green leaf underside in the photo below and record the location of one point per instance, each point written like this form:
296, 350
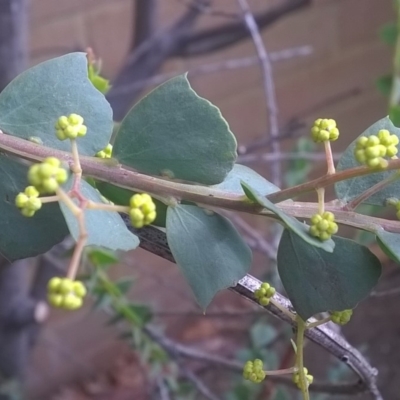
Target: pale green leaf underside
241, 173
105, 228
207, 248
22, 237
317, 281
351, 188
31, 104
122, 196
174, 132
389, 242
291, 223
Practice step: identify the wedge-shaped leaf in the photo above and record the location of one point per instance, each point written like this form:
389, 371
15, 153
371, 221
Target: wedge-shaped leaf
241, 173
22, 237
388, 33
384, 84
124, 285
291, 223
175, 133
317, 281
209, 251
102, 257
394, 111
298, 169
105, 228
31, 104
122, 196
140, 314
389, 242
351, 188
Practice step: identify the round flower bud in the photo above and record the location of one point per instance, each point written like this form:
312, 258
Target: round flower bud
324, 130
264, 293
253, 371
371, 150
70, 127
323, 226
296, 378
54, 284
142, 210
55, 300
28, 201
66, 293
341, 317
48, 175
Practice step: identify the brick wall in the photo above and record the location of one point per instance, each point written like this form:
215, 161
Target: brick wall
348, 57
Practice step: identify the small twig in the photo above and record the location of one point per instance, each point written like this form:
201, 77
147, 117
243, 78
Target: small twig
49, 199
207, 9
329, 158
177, 350
200, 386
318, 322
385, 293
163, 389
260, 242
211, 314
272, 157
205, 41
269, 85
353, 204
78, 251
301, 328
76, 166
321, 200
91, 205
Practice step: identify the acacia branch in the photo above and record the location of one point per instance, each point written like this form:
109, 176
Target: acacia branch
211, 197
155, 241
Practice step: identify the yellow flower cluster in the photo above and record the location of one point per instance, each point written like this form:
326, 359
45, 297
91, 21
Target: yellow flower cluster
296, 378
371, 150
28, 201
396, 203
264, 293
66, 293
324, 130
142, 210
106, 152
341, 317
48, 175
323, 226
70, 127
253, 371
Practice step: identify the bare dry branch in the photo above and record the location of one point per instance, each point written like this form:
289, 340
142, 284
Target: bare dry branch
145, 14
232, 64
177, 350
180, 40
210, 40
269, 86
